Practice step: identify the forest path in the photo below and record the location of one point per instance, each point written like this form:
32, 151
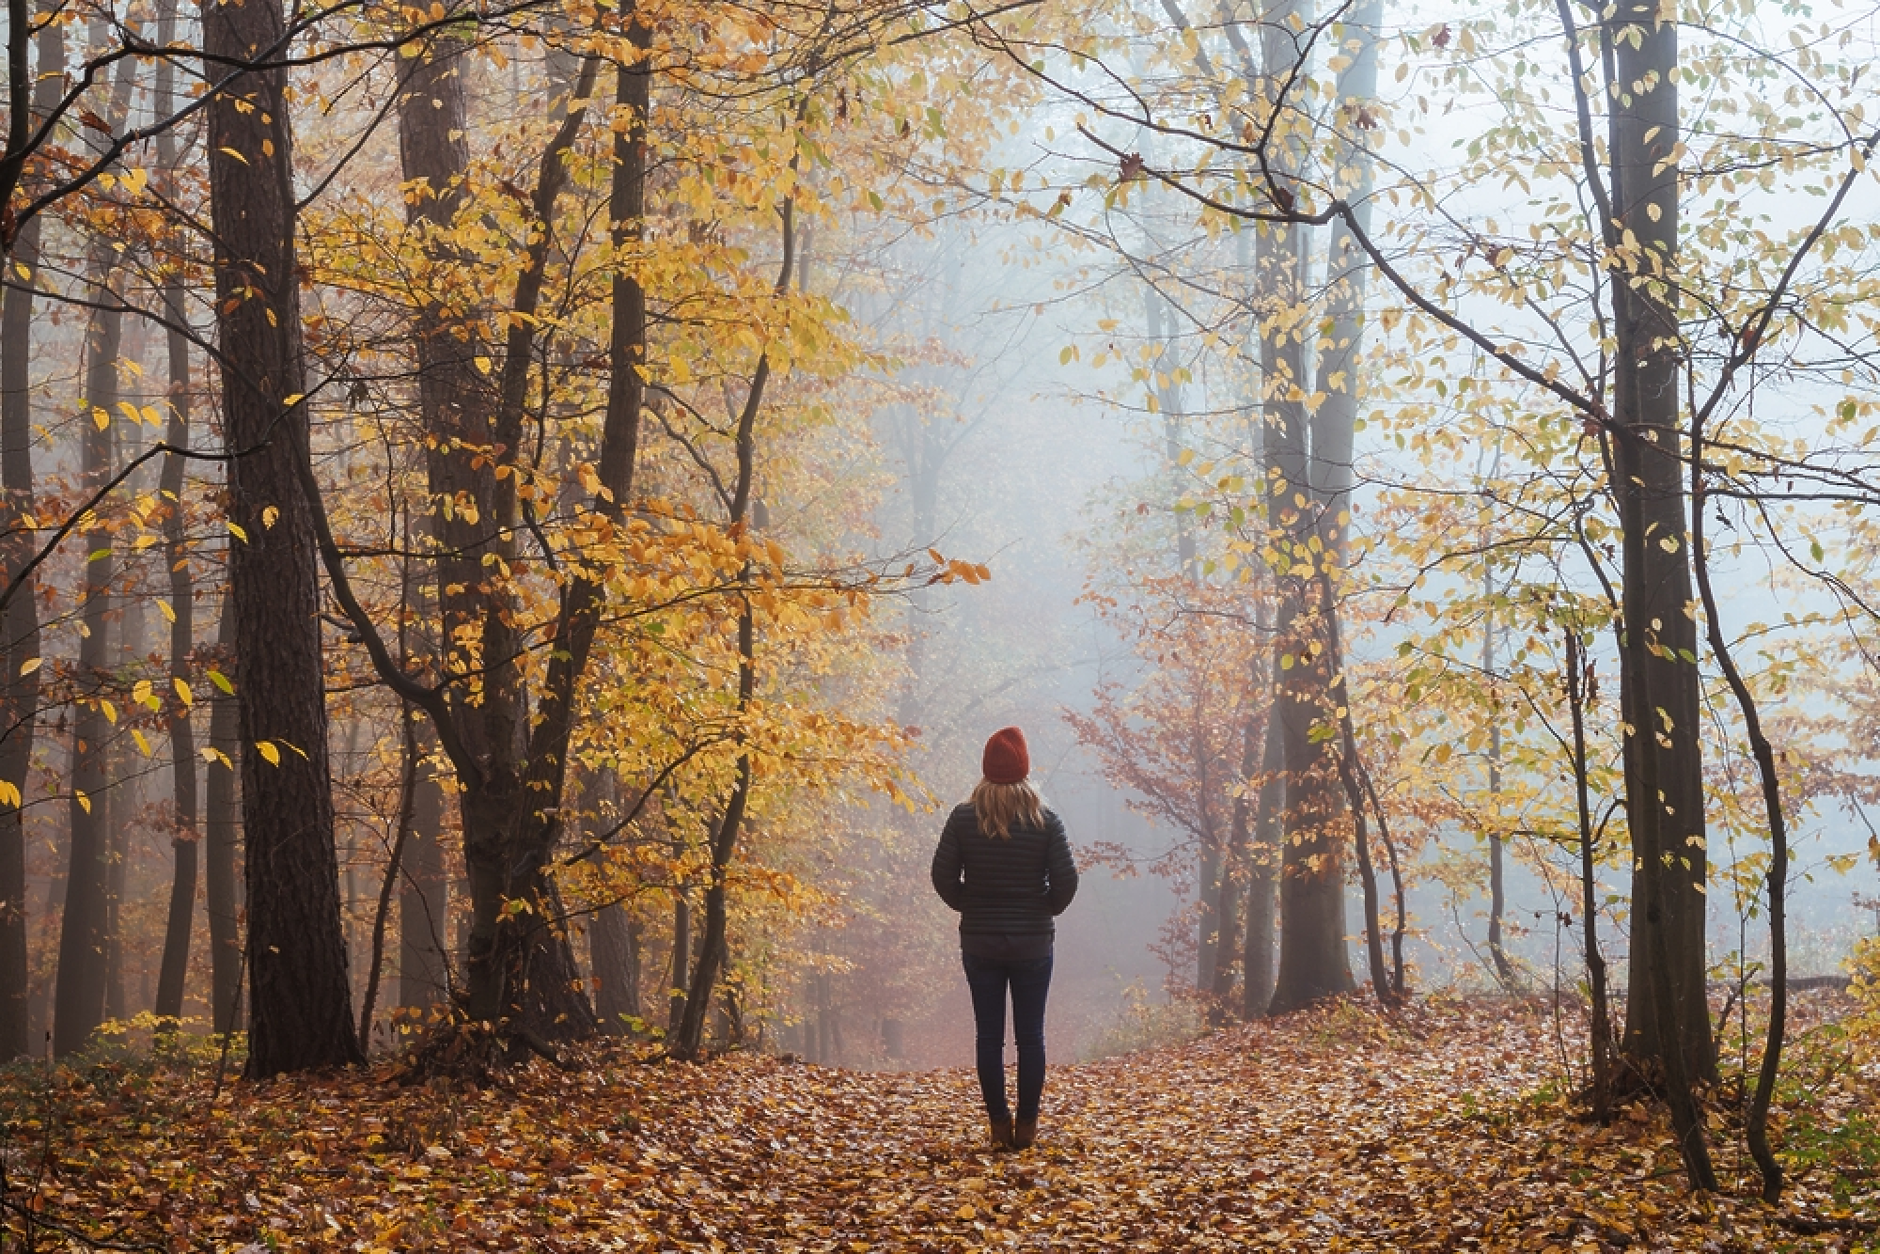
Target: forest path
1332, 1129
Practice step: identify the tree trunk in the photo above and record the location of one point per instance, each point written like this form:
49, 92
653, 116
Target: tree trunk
1579, 681
1667, 1016
410, 774
1208, 890
1497, 876
221, 829
300, 1007
510, 763
424, 900
114, 809
1660, 689
176, 935
1237, 884
19, 627
680, 972
1263, 866
614, 940
19, 641
1312, 959
80, 1000
1776, 884
714, 949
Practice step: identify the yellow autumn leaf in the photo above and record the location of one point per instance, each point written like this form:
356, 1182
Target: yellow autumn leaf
267, 750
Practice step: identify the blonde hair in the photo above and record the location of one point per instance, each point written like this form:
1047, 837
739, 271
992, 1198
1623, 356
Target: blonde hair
999, 806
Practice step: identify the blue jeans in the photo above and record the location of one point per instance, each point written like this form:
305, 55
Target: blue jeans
1029, 981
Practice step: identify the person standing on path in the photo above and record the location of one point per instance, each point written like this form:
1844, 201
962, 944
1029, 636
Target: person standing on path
1004, 863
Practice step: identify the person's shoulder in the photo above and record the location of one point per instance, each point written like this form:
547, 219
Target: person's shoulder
963, 815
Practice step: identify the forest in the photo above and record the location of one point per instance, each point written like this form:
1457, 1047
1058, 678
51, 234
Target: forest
518, 516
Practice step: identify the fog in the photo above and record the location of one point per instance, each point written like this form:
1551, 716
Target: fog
1053, 431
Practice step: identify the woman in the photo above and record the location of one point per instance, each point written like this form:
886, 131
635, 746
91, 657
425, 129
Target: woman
1004, 864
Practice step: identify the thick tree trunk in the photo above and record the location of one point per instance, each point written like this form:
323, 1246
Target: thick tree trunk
1263, 866
1312, 958
1667, 1015
510, 763
1313, 963
1660, 689
614, 955
1237, 887
300, 1007
221, 829
19, 643
80, 1000
19, 627
185, 843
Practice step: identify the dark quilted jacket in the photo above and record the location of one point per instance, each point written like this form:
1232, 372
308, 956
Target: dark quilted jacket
1007, 891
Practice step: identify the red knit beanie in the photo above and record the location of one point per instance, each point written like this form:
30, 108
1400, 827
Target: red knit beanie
1006, 760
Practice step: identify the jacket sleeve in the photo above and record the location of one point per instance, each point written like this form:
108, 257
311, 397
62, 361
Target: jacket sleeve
1060, 867
947, 869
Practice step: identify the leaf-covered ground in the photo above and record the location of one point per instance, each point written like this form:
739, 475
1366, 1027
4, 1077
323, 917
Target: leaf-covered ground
1329, 1130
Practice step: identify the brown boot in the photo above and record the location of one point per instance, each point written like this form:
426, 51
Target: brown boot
1024, 1132
1001, 1129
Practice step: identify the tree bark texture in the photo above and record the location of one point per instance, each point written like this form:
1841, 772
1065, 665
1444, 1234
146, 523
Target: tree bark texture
300, 1006
520, 968
19, 626
221, 830
84, 931
1313, 963
1263, 865
424, 900
614, 937
183, 794
1660, 688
